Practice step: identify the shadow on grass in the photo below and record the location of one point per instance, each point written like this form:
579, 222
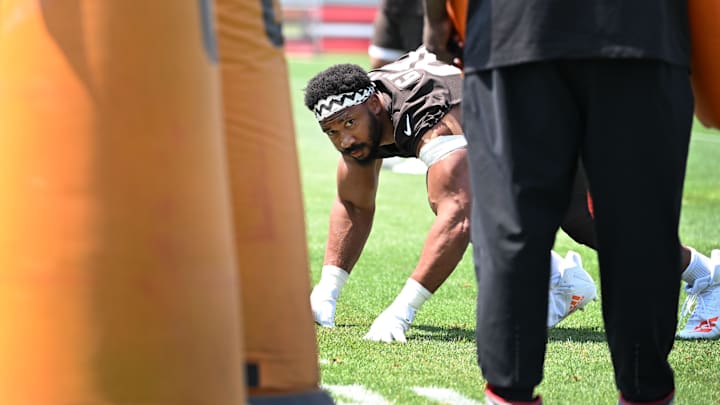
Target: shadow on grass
576, 335
460, 334
447, 334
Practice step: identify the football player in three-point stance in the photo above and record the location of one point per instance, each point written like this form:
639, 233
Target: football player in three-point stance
409, 108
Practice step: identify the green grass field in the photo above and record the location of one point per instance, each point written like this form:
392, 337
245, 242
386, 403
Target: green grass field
438, 364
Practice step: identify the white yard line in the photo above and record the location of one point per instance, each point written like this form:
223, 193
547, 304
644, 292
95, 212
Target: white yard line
356, 394
445, 396
704, 137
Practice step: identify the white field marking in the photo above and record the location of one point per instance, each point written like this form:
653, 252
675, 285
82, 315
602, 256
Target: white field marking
705, 137
358, 394
445, 396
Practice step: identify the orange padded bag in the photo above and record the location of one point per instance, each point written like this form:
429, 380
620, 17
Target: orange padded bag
117, 269
705, 70
269, 219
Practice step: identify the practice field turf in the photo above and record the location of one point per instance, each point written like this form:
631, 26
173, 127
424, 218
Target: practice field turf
438, 364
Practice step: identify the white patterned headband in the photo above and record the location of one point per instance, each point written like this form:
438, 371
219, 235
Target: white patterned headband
328, 106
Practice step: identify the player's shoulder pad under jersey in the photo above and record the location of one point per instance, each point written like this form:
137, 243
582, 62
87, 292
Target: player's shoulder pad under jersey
411, 67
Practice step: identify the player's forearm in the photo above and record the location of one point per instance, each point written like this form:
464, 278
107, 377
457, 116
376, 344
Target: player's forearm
348, 231
444, 247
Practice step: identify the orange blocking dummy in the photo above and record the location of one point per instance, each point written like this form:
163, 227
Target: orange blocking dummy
705, 71
117, 268
280, 341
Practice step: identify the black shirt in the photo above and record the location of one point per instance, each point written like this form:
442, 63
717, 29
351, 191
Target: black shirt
509, 32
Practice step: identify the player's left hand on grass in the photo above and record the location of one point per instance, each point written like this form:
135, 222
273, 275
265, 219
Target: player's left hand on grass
392, 324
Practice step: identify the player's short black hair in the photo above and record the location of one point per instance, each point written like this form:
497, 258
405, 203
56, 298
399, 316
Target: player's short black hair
336, 79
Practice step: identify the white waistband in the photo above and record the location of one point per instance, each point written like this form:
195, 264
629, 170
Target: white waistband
439, 147
378, 52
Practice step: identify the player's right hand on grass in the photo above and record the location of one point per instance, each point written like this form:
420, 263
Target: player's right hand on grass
392, 324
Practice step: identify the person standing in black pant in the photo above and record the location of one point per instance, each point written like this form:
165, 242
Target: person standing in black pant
547, 82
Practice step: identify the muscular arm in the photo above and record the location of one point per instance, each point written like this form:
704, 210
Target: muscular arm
448, 187
351, 215
449, 235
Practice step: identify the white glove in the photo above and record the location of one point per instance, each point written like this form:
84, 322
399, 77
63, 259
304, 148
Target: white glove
392, 324
323, 302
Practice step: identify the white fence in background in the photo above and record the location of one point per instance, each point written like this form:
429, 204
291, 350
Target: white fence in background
316, 26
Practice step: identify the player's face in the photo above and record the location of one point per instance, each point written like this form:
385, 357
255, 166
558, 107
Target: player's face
355, 132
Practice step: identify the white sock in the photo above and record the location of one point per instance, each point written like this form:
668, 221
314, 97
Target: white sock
699, 267
413, 294
333, 278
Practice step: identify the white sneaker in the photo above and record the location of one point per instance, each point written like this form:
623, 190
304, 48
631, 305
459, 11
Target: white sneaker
392, 324
703, 305
323, 301
572, 291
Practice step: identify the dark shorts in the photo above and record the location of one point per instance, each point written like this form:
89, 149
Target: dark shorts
396, 33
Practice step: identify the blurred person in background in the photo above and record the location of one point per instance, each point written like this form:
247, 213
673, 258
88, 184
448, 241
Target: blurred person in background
397, 30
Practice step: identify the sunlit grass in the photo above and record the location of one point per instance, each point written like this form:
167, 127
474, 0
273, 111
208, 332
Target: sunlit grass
441, 349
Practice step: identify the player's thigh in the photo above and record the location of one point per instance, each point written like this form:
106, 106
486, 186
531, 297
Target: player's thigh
578, 222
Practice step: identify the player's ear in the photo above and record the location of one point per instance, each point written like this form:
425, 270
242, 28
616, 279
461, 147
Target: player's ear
374, 104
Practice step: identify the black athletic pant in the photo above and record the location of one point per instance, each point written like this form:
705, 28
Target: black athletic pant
527, 125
